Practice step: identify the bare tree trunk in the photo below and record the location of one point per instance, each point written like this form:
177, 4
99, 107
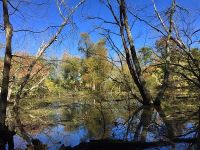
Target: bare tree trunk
167, 59
131, 56
7, 63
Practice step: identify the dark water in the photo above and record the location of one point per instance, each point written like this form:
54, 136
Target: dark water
75, 123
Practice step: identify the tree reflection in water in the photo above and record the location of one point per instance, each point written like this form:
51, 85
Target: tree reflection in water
7, 135
103, 127
6, 138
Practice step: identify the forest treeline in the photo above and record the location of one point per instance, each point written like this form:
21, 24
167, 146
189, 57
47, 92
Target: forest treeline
96, 72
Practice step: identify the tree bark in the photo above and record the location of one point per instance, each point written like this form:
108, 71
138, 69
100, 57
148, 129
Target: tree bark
131, 57
168, 58
7, 63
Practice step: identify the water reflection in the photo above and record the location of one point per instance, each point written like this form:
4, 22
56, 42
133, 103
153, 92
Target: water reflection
143, 127
6, 138
57, 136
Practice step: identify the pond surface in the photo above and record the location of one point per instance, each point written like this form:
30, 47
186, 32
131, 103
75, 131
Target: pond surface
70, 124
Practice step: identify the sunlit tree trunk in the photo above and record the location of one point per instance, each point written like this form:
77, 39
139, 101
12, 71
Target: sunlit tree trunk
131, 56
167, 59
7, 62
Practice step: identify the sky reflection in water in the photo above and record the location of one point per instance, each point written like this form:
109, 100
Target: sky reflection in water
116, 128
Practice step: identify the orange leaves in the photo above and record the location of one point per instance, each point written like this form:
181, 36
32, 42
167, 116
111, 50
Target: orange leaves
20, 64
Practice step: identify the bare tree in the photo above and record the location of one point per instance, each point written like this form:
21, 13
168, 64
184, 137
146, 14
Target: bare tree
8, 54
185, 38
121, 20
7, 62
167, 58
131, 56
41, 51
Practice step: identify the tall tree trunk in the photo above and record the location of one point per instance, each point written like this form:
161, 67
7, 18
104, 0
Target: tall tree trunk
167, 59
131, 56
7, 63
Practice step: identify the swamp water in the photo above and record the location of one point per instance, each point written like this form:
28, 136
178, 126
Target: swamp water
57, 125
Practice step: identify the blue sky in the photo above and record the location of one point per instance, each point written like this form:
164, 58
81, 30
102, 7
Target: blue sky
36, 18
